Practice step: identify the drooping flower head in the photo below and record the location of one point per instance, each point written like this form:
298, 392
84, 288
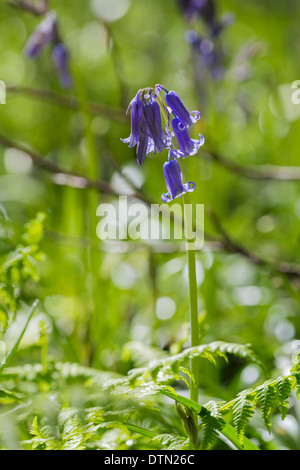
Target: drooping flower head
159, 123
174, 181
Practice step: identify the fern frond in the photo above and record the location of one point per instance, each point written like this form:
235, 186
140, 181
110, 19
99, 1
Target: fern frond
285, 387
243, 410
267, 399
142, 354
212, 422
171, 442
272, 395
160, 370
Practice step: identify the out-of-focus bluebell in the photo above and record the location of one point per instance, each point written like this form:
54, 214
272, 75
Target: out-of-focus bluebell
199, 8
206, 55
38, 10
44, 34
60, 58
174, 182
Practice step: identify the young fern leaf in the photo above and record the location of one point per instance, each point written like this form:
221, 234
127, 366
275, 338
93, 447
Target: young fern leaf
285, 388
212, 422
270, 396
267, 399
243, 410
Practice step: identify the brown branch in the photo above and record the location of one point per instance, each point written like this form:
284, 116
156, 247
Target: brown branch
70, 102
261, 172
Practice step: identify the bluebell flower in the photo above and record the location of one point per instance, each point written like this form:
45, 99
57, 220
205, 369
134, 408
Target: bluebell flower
187, 146
180, 111
145, 143
60, 58
174, 181
148, 134
136, 107
146, 125
43, 35
153, 118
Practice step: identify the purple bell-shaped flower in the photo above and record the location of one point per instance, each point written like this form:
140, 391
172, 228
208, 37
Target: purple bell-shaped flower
180, 111
187, 146
174, 181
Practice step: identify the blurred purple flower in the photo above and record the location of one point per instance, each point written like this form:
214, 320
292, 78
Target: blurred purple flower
206, 55
174, 181
38, 10
43, 34
201, 8
60, 58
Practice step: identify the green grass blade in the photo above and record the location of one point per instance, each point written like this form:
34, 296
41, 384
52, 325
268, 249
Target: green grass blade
14, 348
139, 430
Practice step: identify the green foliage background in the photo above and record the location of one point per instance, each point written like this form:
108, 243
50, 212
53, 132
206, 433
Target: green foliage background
98, 310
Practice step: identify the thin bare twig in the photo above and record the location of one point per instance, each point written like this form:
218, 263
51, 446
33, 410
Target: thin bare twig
291, 270
70, 102
260, 172
62, 175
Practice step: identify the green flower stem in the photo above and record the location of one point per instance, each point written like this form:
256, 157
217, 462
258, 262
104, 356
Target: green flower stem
193, 300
